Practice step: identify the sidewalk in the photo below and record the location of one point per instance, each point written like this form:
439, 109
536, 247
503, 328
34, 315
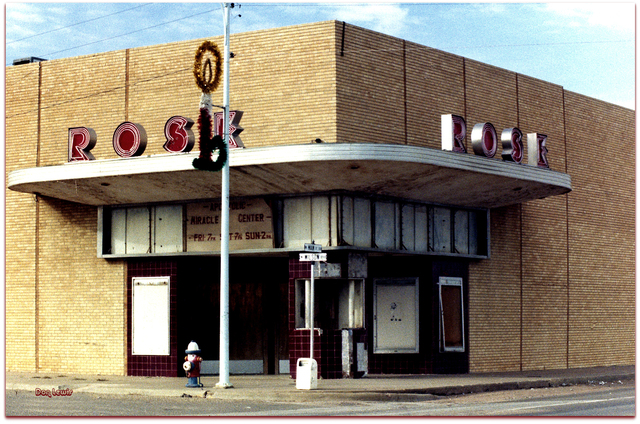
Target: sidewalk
282, 388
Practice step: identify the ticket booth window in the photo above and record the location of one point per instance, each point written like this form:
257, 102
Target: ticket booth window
451, 314
338, 303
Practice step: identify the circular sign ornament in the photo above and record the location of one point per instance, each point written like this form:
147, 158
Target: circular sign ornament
207, 78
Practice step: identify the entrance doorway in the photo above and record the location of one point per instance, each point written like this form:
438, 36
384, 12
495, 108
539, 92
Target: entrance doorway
258, 313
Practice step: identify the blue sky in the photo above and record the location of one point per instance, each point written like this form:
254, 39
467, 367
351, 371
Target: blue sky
587, 48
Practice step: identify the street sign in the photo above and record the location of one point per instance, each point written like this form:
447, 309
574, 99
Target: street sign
311, 247
313, 257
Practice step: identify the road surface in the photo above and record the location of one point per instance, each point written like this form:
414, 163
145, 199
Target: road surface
597, 399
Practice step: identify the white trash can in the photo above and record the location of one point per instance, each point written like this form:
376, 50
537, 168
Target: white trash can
306, 374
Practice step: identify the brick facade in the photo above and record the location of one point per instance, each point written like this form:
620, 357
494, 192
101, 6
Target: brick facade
558, 290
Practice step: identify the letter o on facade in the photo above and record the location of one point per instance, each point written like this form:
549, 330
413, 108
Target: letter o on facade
129, 140
484, 140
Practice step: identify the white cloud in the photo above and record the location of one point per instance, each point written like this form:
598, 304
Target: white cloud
619, 17
386, 18
16, 15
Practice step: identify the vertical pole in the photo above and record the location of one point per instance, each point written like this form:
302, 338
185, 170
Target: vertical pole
307, 303
311, 310
224, 222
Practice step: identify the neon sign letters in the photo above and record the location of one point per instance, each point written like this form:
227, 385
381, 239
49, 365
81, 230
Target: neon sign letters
484, 141
130, 139
81, 141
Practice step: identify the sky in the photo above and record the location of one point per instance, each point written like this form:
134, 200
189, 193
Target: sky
588, 48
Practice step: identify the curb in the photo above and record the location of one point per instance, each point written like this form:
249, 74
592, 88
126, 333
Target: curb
513, 385
433, 393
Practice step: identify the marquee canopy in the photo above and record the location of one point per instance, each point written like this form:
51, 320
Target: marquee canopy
408, 172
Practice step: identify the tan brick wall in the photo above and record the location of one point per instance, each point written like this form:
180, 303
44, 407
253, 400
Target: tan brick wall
544, 236
491, 97
544, 284
20, 220
576, 277
561, 277
86, 91
147, 86
435, 86
82, 300
370, 88
60, 297
495, 291
601, 162
284, 81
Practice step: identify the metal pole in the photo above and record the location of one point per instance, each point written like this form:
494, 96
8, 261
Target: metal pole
311, 310
224, 223
307, 303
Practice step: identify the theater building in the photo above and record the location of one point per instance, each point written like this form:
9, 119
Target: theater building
474, 219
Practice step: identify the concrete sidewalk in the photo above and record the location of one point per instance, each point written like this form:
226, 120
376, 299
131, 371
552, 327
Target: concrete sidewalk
283, 389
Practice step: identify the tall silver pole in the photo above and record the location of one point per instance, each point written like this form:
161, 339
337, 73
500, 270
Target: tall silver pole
224, 224
311, 310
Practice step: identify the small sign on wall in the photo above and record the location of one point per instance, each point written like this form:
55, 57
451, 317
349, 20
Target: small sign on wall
250, 225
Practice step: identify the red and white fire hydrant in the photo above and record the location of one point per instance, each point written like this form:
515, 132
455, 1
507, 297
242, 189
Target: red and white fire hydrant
192, 365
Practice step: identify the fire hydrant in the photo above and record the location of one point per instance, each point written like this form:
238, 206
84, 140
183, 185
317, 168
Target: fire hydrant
192, 365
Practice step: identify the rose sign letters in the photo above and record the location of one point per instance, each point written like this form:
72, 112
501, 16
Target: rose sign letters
130, 139
484, 141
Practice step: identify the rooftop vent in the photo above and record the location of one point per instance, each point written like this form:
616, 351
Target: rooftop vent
25, 60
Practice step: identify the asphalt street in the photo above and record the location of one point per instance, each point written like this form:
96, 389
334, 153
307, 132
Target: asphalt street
611, 399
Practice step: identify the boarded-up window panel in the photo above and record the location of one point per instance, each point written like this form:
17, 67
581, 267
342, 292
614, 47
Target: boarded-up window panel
408, 227
150, 316
441, 230
138, 230
421, 236
334, 221
346, 221
362, 222
168, 229
297, 221
356, 221
118, 231
461, 231
385, 225
320, 224
473, 232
